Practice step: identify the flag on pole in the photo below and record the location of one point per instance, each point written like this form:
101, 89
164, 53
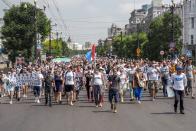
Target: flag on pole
88, 56
93, 52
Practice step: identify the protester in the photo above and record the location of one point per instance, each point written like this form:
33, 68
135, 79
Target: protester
179, 84
69, 84
138, 85
114, 80
152, 74
97, 82
190, 79
48, 83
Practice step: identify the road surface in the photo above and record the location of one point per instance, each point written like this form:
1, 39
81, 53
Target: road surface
84, 116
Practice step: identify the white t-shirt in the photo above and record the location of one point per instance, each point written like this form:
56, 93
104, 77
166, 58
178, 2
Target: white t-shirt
98, 79
179, 81
123, 78
69, 77
152, 73
39, 78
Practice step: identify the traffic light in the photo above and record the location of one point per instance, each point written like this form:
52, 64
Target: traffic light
138, 52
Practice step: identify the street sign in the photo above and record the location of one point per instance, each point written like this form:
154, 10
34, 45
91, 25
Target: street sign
162, 53
189, 53
172, 45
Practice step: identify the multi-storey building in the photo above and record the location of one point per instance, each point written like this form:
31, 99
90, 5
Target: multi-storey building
114, 30
1, 24
189, 31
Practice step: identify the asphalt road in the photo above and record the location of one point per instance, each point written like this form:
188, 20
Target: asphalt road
84, 116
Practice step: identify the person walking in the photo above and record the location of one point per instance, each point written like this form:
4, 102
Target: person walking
58, 86
165, 77
153, 77
179, 83
190, 79
138, 84
69, 84
48, 84
37, 85
114, 81
89, 90
123, 84
131, 72
97, 87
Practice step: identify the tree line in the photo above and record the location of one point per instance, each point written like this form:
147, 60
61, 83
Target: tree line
156, 39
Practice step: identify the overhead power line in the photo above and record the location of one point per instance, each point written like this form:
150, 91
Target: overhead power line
7, 3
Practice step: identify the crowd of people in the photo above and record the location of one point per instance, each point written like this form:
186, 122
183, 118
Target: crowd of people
116, 77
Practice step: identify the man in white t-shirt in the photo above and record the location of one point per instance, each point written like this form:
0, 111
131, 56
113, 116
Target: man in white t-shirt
179, 84
153, 77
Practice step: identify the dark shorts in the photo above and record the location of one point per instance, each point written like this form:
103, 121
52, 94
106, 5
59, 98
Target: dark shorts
69, 88
17, 88
37, 90
113, 95
58, 89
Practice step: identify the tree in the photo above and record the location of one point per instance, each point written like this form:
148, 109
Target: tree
160, 36
127, 47
21, 24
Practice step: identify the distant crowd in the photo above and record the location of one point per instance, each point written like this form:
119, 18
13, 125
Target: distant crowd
175, 78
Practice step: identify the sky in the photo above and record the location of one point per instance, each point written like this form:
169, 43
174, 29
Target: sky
85, 20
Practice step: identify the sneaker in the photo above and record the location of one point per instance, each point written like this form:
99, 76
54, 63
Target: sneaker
182, 112
38, 101
71, 104
139, 102
24, 96
97, 106
112, 107
18, 99
175, 110
193, 97
11, 102
115, 111
153, 99
100, 105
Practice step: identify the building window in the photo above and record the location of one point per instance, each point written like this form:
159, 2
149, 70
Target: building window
192, 39
192, 22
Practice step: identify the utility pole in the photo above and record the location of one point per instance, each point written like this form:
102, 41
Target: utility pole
121, 42
50, 39
50, 42
57, 39
35, 46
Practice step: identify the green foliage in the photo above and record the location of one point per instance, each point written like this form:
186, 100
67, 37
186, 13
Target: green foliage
160, 36
103, 50
20, 27
127, 47
58, 47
